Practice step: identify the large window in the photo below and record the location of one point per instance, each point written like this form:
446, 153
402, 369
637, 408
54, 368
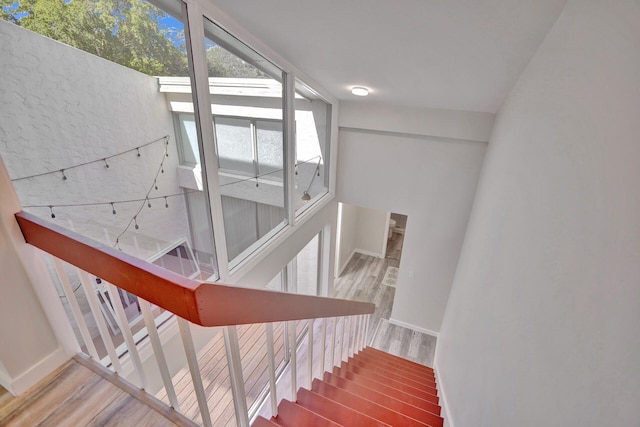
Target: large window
119, 151
248, 124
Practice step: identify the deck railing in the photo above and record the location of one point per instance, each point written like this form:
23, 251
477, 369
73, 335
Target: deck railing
201, 303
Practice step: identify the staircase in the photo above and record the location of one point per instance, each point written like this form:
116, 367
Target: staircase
373, 388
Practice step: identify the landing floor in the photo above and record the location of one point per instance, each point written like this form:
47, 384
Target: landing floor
75, 395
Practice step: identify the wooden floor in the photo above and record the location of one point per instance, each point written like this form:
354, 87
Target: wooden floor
75, 395
215, 373
362, 281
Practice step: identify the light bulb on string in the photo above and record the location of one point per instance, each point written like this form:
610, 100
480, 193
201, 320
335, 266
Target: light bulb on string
135, 222
166, 202
51, 209
138, 152
113, 209
64, 177
106, 164
148, 202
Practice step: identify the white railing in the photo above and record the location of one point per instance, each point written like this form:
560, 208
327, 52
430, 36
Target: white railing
115, 316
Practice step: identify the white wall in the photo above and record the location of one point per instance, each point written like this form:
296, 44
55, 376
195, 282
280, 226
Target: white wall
362, 230
372, 232
30, 348
348, 234
542, 323
426, 172
62, 107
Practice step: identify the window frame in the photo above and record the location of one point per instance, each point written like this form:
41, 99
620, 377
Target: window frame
232, 270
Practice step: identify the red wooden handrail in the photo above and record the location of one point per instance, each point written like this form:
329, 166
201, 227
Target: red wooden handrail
206, 304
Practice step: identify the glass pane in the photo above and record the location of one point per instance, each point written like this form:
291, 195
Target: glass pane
313, 133
270, 150
188, 140
101, 138
235, 146
247, 104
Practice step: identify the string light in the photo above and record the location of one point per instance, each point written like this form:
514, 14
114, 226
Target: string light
147, 199
104, 160
112, 204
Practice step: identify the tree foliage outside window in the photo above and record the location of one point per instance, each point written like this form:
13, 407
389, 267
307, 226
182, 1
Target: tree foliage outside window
223, 63
132, 33
127, 32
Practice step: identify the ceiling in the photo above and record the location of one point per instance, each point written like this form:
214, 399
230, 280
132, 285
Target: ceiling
451, 54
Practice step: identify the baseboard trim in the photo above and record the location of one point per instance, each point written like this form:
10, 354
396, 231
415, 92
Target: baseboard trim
343, 266
37, 372
369, 253
413, 327
5, 381
444, 403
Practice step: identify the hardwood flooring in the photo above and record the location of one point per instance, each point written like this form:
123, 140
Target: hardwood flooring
362, 281
215, 373
75, 395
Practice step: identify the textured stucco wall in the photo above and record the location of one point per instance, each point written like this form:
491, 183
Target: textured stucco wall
62, 107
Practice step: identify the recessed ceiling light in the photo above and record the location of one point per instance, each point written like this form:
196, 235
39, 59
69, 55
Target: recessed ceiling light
360, 91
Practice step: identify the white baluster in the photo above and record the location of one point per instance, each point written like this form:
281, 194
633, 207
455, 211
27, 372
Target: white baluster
194, 369
334, 328
293, 363
351, 335
94, 304
75, 308
158, 352
323, 345
362, 330
272, 370
310, 352
344, 319
123, 323
234, 362
366, 330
